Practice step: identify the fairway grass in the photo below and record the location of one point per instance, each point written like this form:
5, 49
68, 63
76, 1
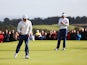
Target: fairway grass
42, 53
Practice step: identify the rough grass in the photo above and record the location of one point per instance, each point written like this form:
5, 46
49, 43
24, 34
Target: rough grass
43, 53
50, 27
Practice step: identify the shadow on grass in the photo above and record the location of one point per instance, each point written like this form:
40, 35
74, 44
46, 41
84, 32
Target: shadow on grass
33, 50
10, 50
80, 48
10, 58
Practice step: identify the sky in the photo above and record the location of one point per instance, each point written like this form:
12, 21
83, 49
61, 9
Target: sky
42, 8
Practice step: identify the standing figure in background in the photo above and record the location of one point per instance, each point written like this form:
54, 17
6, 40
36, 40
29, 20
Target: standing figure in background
6, 36
1, 36
63, 26
78, 36
12, 35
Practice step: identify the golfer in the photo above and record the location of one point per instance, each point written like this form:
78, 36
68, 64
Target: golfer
25, 30
63, 28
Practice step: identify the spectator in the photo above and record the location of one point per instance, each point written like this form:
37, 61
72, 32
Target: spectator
68, 36
78, 36
82, 32
50, 35
1, 36
12, 36
42, 35
38, 35
54, 35
73, 35
9, 35
45, 35
6, 36
85, 34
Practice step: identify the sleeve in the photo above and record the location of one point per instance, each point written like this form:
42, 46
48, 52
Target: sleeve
67, 23
19, 28
59, 22
30, 28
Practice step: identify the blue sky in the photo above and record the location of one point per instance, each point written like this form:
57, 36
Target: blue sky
43, 8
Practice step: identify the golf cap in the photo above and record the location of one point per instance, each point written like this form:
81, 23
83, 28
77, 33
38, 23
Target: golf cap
25, 17
63, 14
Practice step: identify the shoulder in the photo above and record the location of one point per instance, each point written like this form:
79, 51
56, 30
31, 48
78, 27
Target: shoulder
66, 18
28, 21
20, 22
60, 19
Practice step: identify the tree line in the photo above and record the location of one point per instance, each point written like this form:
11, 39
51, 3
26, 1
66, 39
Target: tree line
12, 24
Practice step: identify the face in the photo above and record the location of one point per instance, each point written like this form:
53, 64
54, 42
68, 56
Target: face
24, 20
63, 16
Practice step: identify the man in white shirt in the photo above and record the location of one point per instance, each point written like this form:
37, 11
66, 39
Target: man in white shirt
63, 26
24, 29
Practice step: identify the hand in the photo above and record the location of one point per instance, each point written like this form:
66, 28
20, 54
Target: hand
29, 34
62, 23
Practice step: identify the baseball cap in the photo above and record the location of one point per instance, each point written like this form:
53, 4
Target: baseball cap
63, 14
25, 17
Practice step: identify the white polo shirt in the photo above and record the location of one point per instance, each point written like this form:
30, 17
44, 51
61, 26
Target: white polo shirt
24, 27
65, 21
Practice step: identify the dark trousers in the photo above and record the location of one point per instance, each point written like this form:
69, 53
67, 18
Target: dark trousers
22, 38
62, 36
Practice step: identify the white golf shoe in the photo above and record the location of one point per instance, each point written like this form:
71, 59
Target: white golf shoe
27, 57
15, 55
56, 49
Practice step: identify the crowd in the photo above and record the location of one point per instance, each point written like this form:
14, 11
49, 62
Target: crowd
80, 34
8, 36
42, 35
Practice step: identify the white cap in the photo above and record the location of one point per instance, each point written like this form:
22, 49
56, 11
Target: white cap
25, 17
63, 14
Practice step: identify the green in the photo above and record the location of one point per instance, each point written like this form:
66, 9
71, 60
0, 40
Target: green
42, 52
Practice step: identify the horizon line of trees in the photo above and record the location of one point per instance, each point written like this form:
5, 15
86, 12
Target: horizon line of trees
12, 24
